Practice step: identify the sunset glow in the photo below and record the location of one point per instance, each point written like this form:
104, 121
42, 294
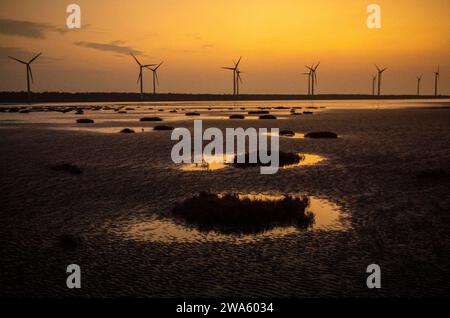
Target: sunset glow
196, 38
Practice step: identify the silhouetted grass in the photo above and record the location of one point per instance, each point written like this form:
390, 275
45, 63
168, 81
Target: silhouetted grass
192, 114
85, 121
234, 215
287, 133
237, 116
267, 117
308, 113
285, 159
259, 112
127, 131
151, 119
162, 128
66, 167
321, 134
69, 242
432, 175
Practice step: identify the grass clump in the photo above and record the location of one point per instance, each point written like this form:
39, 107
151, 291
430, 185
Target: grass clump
69, 241
85, 121
127, 131
151, 119
237, 116
267, 117
67, 167
432, 174
259, 112
287, 133
163, 128
322, 135
192, 114
233, 214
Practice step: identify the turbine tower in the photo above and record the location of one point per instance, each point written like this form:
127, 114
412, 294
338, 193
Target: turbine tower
29, 72
155, 76
313, 76
374, 80
436, 81
419, 80
238, 80
234, 69
141, 78
380, 73
309, 81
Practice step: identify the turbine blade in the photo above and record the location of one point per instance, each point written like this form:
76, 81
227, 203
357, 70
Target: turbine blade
159, 65
238, 62
148, 65
32, 60
20, 61
377, 68
315, 68
139, 63
139, 77
157, 79
228, 68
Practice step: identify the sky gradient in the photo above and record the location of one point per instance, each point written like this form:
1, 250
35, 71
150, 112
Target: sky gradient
196, 38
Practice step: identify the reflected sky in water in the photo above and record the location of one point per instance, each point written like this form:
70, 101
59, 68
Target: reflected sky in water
328, 216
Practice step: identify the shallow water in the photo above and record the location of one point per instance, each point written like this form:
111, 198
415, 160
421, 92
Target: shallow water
252, 105
328, 216
210, 165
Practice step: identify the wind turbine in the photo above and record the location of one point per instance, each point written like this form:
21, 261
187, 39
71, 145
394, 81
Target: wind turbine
309, 81
313, 76
380, 73
238, 80
419, 80
155, 76
374, 79
234, 69
141, 78
29, 72
436, 80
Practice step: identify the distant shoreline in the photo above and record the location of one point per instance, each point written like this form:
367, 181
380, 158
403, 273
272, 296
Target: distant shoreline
61, 97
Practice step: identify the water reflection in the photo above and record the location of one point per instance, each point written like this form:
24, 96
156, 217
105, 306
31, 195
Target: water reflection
328, 216
308, 160
210, 163
287, 136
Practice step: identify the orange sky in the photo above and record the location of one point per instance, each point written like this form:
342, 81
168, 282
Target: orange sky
197, 37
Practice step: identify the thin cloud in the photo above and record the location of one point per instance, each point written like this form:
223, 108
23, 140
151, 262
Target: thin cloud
22, 54
115, 47
28, 29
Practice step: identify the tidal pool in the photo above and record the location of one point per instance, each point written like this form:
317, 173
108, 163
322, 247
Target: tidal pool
308, 160
328, 217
